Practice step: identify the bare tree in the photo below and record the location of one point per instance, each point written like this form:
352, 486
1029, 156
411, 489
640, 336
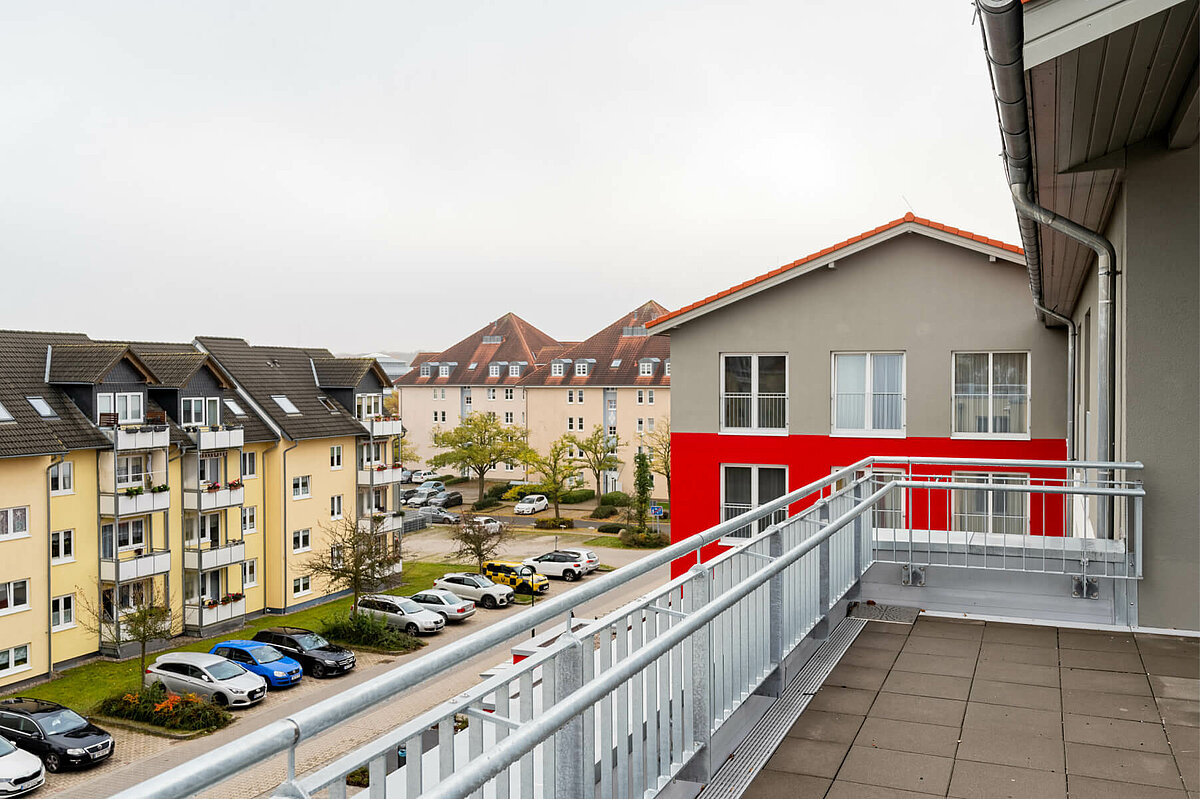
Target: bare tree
362, 557
147, 621
477, 540
659, 443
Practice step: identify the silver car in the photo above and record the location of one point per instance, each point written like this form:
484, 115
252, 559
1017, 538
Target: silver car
476, 587
401, 612
444, 603
219, 679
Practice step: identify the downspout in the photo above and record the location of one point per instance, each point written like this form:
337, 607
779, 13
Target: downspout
283, 538
1003, 42
54, 461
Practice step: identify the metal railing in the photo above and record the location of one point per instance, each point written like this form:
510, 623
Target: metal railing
620, 705
754, 411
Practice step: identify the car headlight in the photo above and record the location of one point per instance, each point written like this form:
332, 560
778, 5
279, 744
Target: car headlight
237, 691
280, 673
76, 752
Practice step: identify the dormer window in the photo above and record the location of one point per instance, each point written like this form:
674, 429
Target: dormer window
493, 370
368, 406
127, 406
581, 369
646, 369
42, 407
285, 404
556, 369
200, 411
426, 370
514, 370
444, 370
667, 368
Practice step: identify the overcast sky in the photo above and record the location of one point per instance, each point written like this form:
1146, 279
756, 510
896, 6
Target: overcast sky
393, 175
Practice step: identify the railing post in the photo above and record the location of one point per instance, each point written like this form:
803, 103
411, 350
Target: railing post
859, 527
569, 755
699, 768
822, 628
773, 684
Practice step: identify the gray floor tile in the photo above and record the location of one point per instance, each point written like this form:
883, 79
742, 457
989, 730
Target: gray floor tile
1113, 706
1113, 682
1142, 736
1175, 688
1021, 634
974, 780
904, 770
1185, 741
856, 677
1184, 712
1023, 673
908, 736
887, 628
1189, 767
868, 658
770, 784
939, 685
952, 647
1016, 695
1122, 765
851, 701
935, 664
802, 756
921, 709
1097, 641
842, 789
1014, 720
818, 725
1172, 666
945, 628
1172, 645
1015, 653
1081, 787
869, 640
1004, 748
1130, 662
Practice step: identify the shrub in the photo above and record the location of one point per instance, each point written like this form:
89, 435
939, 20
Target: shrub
497, 490
447, 478
518, 493
453, 481
618, 499
611, 528
643, 539
604, 512
577, 495
158, 706
364, 629
485, 503
553, 523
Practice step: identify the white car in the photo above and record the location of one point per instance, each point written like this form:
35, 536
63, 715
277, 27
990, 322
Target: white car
20, 771
224, 682
476, 587
421, 475
422, 497
445, 603
590, 560
566, 565
488, 523
532, 504
402, 613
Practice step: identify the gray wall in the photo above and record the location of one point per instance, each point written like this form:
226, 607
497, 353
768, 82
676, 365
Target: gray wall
912, 293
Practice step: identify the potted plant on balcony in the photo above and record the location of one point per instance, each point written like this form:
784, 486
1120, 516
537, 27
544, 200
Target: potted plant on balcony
232, 484
225, 600
158, 489
236, 595
381, 467
210, 603
212, 487
134, 491
397, 465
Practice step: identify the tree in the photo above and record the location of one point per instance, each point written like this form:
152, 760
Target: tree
479, 444
659, 444
362, 558
598, 454
558, 469
479, 541
149, 620
406, 451
643, 484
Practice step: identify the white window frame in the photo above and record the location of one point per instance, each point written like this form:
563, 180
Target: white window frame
514, 370
335, 507
302, 540
187, 411
302, 585
208, 468
249, 573
5, 416
570, 396
443, 370
66, 546
508, 394
9, 656
667, 368
754, 429
491, 393
730, 540
249, 514
493, 370
508, 417
641, 425
64, 474
868, 392
646, 369
249, 465
66, 607
991, 395
426, 370
285, 404
556, 369
9, 589
131, 526
581, 368
302, 486
649, 396
335, 457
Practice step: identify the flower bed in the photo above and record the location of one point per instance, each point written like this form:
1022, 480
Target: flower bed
157, 706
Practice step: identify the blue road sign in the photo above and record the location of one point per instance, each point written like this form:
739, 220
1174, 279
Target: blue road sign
656, 510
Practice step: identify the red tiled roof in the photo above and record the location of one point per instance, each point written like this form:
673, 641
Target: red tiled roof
609, 346
966, 234
519, 341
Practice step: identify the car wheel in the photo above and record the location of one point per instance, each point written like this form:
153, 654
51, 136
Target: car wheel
489, 602
445, 618
570, 576
411, 628
318, 670
53, 763
220, 700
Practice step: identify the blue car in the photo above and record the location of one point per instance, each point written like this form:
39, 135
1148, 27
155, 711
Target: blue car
276, 668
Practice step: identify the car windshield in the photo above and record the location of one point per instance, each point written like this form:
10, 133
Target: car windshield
225, 671
6, 748
408, 606
266, 654
311, 641
61, 721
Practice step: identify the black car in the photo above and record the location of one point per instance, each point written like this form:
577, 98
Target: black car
437, 515
318, 657
446, 499
58, 735
404, 494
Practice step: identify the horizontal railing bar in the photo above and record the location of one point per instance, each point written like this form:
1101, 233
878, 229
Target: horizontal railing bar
1023, 488
503, 721
1037, 464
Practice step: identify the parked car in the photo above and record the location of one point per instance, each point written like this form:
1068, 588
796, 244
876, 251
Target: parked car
219, 679
421, 475
434, 485
437, 515
531, 504
58, 735
401, 612
406, 475
488, 523
446, 499
405, 493
445, 603
509, 573
590, 560
477, 588
316, 656
279, 670
566, 565
421, 497
20, 771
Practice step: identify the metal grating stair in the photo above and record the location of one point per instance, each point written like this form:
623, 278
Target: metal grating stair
736, 774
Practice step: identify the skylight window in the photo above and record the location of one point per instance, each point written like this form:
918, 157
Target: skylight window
328, 403
472, 366
234, 408
42, 407
5, 416
284, 403
615, 364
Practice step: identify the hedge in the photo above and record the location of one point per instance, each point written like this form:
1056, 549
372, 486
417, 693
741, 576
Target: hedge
497, 490
618, 499
485, 503
603, 512
611, 528
553, 523
365, 630
453, 481
644, 539
158, 706
578, 495
518, 493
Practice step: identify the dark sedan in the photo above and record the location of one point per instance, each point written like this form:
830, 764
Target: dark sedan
446, 499
318, 657
58, 735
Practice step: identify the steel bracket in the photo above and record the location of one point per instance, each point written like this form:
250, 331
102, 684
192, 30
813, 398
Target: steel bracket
1084, 587
912, 575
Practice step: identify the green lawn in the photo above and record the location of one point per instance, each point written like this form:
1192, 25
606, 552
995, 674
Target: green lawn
83, 686
613, 542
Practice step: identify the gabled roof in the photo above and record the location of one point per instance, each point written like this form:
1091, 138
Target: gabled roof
510, 339
88, 363
614, 355
908, 223
175, 369
346, 372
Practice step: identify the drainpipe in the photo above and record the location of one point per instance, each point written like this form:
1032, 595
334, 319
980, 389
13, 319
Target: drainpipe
54, 461
1003, 42
283, 539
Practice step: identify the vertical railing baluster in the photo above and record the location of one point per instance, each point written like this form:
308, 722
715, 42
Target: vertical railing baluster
445, 733
413, 761
525, 708
699, 716
606, 717
475, 741
568, 765
622, 725
653, 700
377, 777
503, 700
638, 711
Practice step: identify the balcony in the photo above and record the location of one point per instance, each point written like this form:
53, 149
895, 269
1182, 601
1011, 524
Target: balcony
754, 412
123, 504
136, 567
381, 426
214, 557
202, 616
137, 437
207, 499
384, 521
379, 477
210, 438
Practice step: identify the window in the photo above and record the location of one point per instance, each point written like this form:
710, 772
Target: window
250, 573
62, 612
616, 362
42, 407
650, 424
472, 366
611, 404
754, 392
62, 478
14, 596
667, 368
443, 371
641, 427
868, 392
889, 510
508, 393
641, 397
612, 430
581, 369
301, 488
249, 519
744, 488
987, 510
508, 467
5, 416
131, 470
493, 370
508, 417
127, 406
301, 540
285, 404
514, 370
556, 369
335, 456
301, 586
191, 411
646, 369
991, 393
13, 522
570, 397
14, 659
491, 393
335, 506
439, 416
210, 470
249, 464
579, 396
368, 406
130, 535
234, 408
443, 416
426, 370
62, 546
650, 396
328, 404
575, 423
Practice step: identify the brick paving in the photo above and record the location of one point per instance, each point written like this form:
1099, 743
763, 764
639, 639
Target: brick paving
958, 708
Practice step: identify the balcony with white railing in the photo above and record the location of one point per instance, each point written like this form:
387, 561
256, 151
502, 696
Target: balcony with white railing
137, 437
383, 426
212, 611
661, 690
138, 498
208, 558
754, 412
382, 522
135, 564
380, 475
214, 497
217, 437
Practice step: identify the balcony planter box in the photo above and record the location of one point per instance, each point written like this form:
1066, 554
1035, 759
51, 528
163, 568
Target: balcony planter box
379, 477
143, 438
135, 568
207, 559
383, 427
148, 502
389, 524
229, 438
202, 616
213, 500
